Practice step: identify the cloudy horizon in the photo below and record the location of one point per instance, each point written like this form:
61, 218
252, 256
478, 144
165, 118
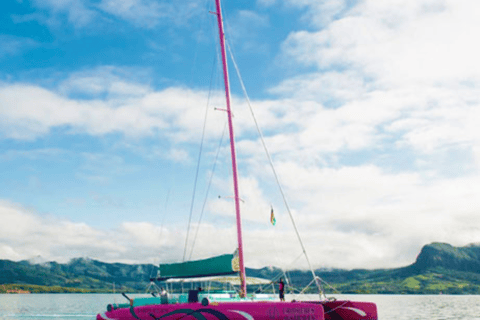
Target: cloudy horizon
369, 110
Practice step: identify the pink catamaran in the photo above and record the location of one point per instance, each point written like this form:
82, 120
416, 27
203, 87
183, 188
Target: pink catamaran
206, 305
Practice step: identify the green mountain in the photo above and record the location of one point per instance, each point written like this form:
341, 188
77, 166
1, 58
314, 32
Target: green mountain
443, 255
439, 268
80, 273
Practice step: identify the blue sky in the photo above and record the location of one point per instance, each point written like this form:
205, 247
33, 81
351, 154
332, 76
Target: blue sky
369, 110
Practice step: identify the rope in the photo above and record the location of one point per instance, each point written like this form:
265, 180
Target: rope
206, 4
161, 226
200, 152
195, 183
275, 174
208, 189
334, 289
279, 275
199, 158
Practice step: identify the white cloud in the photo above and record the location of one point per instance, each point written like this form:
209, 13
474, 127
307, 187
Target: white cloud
56, 239
317, 12
476, 154
387, 80
35, 155
328, 87
267, 2
148, 234
30, 111
16, 216
245, 25
9, 253
12, 45
254, 207
390, 216
78, 13
399, 41
141, 13
402, 71
106, 81
26, 234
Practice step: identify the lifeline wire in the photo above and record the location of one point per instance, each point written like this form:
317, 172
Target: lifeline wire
275, 173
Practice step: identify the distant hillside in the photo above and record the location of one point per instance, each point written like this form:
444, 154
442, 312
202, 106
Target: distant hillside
443, 255
439, 268
78, 273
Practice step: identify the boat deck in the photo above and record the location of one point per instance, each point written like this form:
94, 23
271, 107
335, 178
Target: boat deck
193, 296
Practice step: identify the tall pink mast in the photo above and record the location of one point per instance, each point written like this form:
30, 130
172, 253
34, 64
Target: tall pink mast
243, 291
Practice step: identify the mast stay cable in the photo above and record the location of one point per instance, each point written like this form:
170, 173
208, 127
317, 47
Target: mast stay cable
198, 160
208, 190
195, 184
201, 145
316, 279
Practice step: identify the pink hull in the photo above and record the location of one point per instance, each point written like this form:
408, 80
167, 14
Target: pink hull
351, 310
220, 311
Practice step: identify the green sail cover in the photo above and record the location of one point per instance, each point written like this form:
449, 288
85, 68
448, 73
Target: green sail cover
220, 265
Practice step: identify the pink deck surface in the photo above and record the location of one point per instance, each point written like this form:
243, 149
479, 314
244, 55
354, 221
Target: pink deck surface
221, 311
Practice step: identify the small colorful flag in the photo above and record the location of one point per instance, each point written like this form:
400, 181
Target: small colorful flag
272, 218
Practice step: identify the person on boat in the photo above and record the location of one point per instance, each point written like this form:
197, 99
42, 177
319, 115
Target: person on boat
281, 289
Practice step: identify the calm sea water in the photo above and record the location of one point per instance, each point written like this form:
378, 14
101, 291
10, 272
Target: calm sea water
86, 306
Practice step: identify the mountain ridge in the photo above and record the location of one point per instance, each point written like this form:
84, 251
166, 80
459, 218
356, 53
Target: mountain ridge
438, 268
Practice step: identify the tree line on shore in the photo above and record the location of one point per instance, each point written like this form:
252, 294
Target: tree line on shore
439, 268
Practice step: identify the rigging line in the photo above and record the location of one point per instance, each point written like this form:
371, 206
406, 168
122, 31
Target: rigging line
163, 221
165, 214
198, 162
196, 179
208, 189
275, 172
200, 155
328, 284
278, 275
200, 30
